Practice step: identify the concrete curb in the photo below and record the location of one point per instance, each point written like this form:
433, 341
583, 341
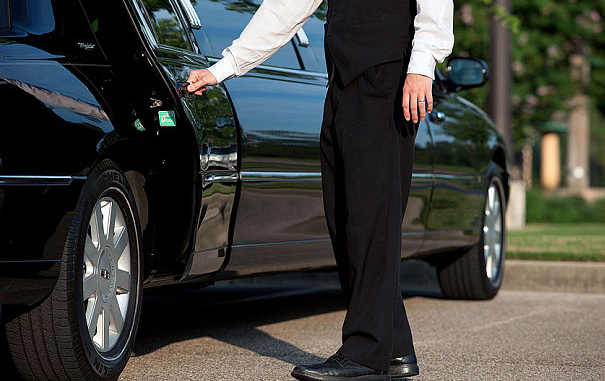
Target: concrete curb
521, 275
418, 278
583, 277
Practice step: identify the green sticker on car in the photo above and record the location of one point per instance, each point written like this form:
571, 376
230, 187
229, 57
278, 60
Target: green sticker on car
138, 125
167, 118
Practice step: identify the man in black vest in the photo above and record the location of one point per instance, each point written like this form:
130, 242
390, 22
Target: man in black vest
381, 57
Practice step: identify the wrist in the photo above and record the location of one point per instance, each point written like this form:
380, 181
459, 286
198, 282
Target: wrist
422, 63
222, 70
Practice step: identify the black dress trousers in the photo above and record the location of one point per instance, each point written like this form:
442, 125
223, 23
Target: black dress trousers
367, 152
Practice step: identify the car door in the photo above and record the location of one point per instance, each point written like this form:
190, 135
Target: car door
214, 131
279, 106
457, 191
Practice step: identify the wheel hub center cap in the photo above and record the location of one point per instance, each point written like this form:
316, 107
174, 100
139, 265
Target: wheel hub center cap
106, 275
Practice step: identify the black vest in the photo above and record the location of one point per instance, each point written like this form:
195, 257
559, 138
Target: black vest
364, 33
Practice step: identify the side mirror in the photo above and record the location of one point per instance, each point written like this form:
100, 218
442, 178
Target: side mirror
465, 73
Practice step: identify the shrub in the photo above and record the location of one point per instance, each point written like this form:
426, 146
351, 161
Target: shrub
556, 209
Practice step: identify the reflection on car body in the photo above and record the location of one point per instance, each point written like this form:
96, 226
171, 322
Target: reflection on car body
105, 168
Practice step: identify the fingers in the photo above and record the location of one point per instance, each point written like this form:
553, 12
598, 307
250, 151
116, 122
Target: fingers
417, 97
414, 106
421, 108
198, 91
427, 107
406, 102
199, 79
194, 76
196, 84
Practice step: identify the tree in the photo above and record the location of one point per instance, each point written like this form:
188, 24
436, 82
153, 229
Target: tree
545, 34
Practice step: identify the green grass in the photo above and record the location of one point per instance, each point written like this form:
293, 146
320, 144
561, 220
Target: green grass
561, 242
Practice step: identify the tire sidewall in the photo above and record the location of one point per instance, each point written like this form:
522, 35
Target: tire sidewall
108, 181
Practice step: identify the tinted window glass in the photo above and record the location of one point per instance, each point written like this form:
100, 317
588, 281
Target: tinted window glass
55, 27
4, 19
31, 16
224, 20
166, 24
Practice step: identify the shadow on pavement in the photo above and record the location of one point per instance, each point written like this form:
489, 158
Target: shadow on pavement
232, 311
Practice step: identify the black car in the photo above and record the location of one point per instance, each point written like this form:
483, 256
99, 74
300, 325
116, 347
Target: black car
112, 178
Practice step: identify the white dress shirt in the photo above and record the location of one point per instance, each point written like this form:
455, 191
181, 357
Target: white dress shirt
277, 21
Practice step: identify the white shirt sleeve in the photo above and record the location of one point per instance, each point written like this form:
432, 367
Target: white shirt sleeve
272, 26
434, 36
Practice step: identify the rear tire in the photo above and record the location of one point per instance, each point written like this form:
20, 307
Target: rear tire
477, 274
87, 335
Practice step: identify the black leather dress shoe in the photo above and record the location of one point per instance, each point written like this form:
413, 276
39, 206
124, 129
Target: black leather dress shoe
404, 367
338, 368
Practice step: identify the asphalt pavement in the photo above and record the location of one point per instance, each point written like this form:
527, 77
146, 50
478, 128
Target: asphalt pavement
259, 329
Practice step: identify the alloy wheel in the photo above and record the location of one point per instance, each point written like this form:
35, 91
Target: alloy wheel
106, 274
493, 234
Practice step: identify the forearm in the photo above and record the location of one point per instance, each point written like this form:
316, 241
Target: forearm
434, 36
273, 25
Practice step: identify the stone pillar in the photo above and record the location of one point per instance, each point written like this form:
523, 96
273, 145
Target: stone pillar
527, 153
515, 212
578, 136
550, 161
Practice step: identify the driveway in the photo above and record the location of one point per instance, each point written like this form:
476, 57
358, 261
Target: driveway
259, 329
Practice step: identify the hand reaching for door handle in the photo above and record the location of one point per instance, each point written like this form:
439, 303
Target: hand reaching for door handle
199, 79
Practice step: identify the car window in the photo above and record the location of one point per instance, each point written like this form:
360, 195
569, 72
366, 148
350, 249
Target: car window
223, 22
54, 27
4, 19
166, 24
29, 16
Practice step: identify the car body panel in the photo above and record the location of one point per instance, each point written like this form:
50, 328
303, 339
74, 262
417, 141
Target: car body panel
456, 204
214, 128
281, 205
54, 124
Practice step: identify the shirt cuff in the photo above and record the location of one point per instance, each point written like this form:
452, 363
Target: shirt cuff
222, 70
422, 63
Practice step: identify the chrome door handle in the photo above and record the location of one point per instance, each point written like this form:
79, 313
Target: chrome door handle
437, 117
181, 89
302, 38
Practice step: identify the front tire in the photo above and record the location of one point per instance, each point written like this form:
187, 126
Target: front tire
85, 329
477, 274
